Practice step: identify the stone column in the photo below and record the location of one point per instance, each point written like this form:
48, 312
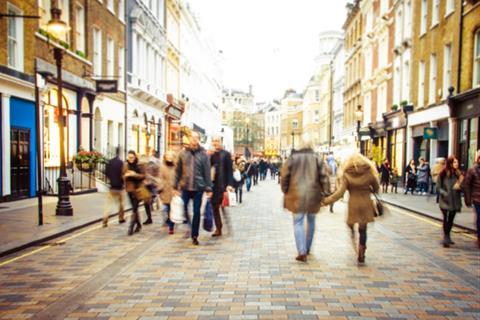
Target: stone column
6, 165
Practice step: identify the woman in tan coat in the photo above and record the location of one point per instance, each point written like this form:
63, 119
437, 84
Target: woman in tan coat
359, 178
167, 181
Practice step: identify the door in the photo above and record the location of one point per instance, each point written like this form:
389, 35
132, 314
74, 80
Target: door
20, 163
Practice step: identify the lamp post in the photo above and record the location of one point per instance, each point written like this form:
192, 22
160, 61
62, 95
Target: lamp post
293, 140
247, 121
358, 117
58, 28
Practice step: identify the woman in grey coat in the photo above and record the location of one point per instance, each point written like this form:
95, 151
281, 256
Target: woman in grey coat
450, 184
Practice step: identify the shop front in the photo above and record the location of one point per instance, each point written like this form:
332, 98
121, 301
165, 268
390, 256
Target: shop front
395, 127
430, 147
173, 115
465, 107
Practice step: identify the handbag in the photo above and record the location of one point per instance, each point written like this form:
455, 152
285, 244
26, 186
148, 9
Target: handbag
142, 193
377, 205
226, 200
237, 176
232, 199
177, 210
208, 217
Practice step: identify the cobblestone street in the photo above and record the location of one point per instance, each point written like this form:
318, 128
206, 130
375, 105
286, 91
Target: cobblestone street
249, 273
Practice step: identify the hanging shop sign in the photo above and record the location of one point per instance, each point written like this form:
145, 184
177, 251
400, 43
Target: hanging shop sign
109, 86
430, 133
174, 112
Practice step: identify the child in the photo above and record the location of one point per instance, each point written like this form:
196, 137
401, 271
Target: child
394, 178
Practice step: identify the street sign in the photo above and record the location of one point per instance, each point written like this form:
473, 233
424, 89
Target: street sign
110, 86
430, 133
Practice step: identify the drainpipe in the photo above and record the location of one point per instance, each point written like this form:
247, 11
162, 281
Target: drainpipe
125, 76
454, 121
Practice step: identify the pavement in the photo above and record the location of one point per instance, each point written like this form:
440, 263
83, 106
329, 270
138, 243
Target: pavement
426, 205
19, 220
249, 273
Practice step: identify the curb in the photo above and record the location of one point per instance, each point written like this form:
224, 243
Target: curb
53, 236
426, 215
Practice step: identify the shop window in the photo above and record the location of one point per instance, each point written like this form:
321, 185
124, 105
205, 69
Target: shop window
473, 142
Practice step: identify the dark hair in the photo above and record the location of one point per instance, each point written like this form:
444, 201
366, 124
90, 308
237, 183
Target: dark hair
449, 170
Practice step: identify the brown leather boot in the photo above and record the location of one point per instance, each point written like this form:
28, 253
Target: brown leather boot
361, 253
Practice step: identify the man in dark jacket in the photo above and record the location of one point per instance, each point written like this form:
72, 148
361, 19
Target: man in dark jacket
222, 176
193, 179
114, 173
472, 191
305, 184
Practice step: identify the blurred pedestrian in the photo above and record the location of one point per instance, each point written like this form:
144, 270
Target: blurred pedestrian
394, 179
114, 173
450, 182
152, 181
410, 177
193, 178
304, 183
360, 179
222, 168
437, 168
472, 191
134, 176
240, 180
331, 168
423, 176
166, 186
249, 173
385, 171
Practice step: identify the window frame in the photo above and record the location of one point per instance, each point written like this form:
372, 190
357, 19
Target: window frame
423, 17
421, 84
80, 34
432, 94
476, 60
447, 72
435, 13
19, 39
97, 54
110, 57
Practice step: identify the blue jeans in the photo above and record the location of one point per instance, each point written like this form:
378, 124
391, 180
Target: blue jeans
477, 209
166, 211
423, 187
303, 241
197, 202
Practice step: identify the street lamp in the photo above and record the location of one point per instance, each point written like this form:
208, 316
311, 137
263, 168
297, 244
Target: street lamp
358, 117
293, 140
59, 28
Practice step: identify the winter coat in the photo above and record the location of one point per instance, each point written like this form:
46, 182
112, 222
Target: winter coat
359, 179
450, 199
472, 186
114, 173
423, 173
193, 171
385, 173
133, 182
411, 177
167, 182
304, 182
221, 163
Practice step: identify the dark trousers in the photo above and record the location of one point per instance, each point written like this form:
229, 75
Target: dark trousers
362, 230
477, 210
239, 192
448, 217
197, 202
217, 216
394, 186
135, 219
166, 209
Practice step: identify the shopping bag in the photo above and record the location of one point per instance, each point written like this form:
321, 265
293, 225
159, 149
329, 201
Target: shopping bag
177, 210
204, 203
232, 199
237, 175
208, 217
226, 200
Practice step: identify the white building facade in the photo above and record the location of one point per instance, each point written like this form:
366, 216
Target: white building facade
146, 76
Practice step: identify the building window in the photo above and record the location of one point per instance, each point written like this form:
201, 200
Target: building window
295, 124
80, 28
64, 5
121, 68
383, 7
121, 10
15, 39
450, 7
421, 84
407, 30
398, 28
44, 12
435, 9
447, 69
317, 95
97, 53
110, 6
423, 23
476, 60
432, 88
406, 81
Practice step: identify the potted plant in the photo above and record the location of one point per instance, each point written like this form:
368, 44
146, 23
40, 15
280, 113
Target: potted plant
404, 103
395, 107
87, 161
81, 54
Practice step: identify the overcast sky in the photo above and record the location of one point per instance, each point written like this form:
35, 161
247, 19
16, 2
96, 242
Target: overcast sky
270, 44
